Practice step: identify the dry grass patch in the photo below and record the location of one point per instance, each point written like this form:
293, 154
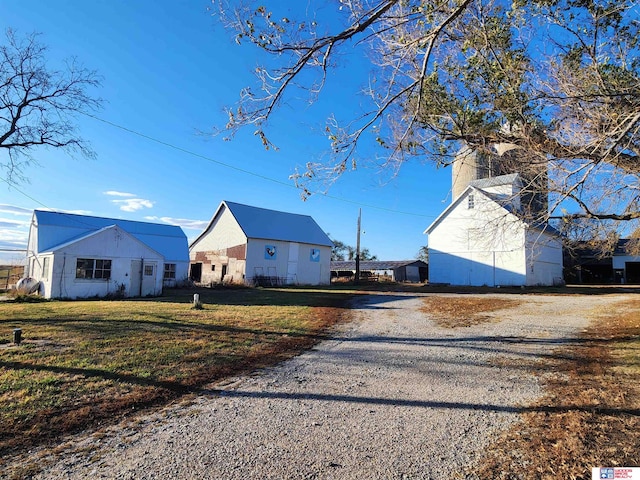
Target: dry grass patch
464, 311
590, 415
88, 363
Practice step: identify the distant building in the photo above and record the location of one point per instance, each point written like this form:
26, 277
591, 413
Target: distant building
251, 245
415, 271
79, 256
586, 264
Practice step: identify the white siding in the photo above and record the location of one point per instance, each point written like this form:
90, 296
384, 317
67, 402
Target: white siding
224, 232
311, 272
483, 245
620, 261
544, 259
308, 272
111, 244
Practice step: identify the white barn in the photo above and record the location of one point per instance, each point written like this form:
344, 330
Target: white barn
80, 256
251, 245
481, 239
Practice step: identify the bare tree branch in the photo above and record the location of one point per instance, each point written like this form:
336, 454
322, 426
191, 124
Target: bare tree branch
556, 81
37, 104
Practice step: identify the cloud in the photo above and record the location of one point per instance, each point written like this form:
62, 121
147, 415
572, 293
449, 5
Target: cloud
4, 208
181, 222
8, 223
133, 204
13, 236
114, 193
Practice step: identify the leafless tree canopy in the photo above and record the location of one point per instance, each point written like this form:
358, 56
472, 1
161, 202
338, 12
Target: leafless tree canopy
38, 105
550, 85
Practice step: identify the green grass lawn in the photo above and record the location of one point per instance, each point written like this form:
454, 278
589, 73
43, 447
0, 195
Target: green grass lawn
83, 363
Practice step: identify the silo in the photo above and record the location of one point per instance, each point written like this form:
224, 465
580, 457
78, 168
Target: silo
470, 165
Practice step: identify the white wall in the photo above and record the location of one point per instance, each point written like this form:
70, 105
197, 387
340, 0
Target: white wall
182, 275
619, 261
223, 233
477, 246
307, 272
112, 244
544, 259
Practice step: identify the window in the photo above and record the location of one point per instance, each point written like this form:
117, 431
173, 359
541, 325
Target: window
90, 268
103, 269
471, 202
148, 270
169, 270
45, 268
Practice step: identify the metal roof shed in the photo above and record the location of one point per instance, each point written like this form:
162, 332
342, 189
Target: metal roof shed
81, 256
245, 244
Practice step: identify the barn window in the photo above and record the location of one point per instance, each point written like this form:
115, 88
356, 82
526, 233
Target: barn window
169, 270
471, 202
45, 268
148, 270
89, 268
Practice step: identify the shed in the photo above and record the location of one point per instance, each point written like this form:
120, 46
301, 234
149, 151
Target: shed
79, 256
586, 263
394, 270
252, 245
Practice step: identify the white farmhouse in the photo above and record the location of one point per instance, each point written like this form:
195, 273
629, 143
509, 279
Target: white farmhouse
482, 239
79, 256
251, 245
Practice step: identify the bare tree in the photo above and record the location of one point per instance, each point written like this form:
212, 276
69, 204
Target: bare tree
551, 88
342, 251
38, 105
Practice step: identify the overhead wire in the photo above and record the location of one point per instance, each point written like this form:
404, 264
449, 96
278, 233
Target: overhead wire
245, 171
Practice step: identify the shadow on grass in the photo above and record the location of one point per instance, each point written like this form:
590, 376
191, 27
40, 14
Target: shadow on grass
292, 296
96, 372
336, 295
106, 329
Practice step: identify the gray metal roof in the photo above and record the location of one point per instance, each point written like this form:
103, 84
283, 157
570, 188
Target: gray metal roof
266, 224
494, 181
375, 264
58, 228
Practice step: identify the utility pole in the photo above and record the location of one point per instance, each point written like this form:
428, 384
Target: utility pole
357, 278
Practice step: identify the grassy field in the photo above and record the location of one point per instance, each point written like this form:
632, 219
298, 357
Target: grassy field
86, 363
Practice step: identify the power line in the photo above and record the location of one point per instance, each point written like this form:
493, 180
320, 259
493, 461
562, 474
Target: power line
242, 170
12, 185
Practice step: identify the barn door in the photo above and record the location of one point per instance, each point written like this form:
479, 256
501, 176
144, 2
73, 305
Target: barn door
292, 264
136, 278
149, 273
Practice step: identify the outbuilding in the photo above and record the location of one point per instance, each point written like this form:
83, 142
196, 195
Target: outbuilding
482, 238
80, 256
256, 246
414, 271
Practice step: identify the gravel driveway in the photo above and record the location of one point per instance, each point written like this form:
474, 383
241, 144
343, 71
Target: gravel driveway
391, 396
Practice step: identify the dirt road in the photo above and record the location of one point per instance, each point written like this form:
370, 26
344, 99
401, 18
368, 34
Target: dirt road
392, 395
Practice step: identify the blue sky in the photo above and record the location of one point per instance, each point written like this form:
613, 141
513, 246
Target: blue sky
168, 71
